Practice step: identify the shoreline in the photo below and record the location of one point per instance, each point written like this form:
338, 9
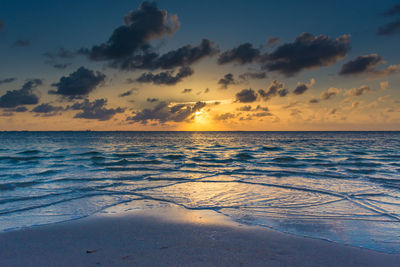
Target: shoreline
173, 236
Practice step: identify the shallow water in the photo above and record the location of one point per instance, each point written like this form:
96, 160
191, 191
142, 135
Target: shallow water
340, 186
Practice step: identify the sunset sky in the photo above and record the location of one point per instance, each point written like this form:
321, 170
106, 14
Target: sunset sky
199, 65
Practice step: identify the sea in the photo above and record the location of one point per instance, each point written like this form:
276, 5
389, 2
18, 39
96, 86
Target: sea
338, 186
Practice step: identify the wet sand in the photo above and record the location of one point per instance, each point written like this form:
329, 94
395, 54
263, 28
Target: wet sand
173, 237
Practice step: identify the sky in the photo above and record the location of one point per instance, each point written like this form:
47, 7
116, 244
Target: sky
199, 65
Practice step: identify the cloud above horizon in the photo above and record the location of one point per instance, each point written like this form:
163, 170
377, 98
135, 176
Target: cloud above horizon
78, 84
23, 96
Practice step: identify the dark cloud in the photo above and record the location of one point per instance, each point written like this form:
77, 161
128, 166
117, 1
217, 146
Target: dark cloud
128, 93
21, 109
8, 80
21, 43
152, 100
165, 77
253, 75
224, 116
227, 80
262, 114
23, 96
258, 108
301, 88
185, 91
78, 84
133, 37
361, 64
390, 28
2, 25
393, 11
246, 96
95, 110
248, 108
47, 109
163, 113
273, 41
10, 111
243, 54
244, 108
184, 56
274, 89
307, 51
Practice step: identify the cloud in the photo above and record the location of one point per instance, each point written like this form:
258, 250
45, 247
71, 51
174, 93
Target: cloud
367, 64
95, 110
165, 77
384, 85
393, 11
291, 104
47, 109
307, 51
331, 92
313, 101
163, 113
358, 91
128, 93
185, 91
61, 66
21, 109
21, 43
224, 116
184, 56
253, 75
7, 80
361, 64
9, 111
262, 114
78, 84
246, 96
384, 73
227, 80
61, 53
274, 89
301, 88
243, 54
244, 108
23, 96
390, 28
248, 108
393, 27
131, 41
273, 41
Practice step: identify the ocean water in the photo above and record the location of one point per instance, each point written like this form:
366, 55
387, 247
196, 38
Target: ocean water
339, 186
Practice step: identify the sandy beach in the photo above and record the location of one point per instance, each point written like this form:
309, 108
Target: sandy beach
173, 236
